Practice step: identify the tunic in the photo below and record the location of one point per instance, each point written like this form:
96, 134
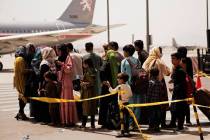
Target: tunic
88, 91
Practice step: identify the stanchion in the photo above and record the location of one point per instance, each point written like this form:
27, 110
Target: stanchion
197, 119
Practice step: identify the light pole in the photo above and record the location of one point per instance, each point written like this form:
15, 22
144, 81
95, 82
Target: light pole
207, 25
108, 25
207, 14
148, 40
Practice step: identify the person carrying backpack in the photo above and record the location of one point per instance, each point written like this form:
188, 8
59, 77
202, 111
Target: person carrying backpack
131, 66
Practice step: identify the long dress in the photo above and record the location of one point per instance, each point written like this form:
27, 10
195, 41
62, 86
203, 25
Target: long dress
19, 77
68, 111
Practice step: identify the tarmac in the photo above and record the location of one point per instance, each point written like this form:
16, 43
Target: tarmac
12, 129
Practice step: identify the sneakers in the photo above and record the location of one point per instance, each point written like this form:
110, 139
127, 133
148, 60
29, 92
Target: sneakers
171, 126
92, 127
120, 135
153, 130
180, 129
82, 127
21, 116
188, 124
123, 133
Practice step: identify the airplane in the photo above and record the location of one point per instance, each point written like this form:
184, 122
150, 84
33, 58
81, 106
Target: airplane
189, 48
75, 23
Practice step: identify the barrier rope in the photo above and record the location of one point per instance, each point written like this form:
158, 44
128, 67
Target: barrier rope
145, 137
201, 73
57, 100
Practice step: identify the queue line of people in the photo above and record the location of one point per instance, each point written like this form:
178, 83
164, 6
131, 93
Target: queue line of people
56, 72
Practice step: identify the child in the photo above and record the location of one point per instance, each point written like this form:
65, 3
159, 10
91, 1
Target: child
88, 91
154, 95
178, 110
122, 78
52, 92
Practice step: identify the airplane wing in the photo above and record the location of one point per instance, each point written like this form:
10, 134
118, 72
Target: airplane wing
8, 44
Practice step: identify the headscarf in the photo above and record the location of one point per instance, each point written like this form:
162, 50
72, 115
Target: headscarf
64, 53
30, 51
20, 51
48, 55
35, 63
154, 60
153, 56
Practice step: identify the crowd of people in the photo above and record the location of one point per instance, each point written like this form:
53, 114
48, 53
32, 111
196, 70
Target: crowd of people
59, 71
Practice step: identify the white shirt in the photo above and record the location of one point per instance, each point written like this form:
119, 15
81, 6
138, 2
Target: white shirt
125, 94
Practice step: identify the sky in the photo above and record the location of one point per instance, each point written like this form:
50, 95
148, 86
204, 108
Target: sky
185, 20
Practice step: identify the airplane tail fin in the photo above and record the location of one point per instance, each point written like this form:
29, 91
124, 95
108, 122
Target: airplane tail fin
79, 11
174, 43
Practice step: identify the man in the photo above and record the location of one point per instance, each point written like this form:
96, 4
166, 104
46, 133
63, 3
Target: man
114, 58
142, 54
97, 62
189, 70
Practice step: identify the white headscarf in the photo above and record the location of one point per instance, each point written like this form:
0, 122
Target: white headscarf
154, 59
48, 55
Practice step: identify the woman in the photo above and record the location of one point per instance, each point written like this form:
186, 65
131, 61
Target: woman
19, 81
154, 60
68, 111
47, 64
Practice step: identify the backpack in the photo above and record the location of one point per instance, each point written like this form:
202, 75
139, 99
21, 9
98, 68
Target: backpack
139, 78
190, 86
135, 68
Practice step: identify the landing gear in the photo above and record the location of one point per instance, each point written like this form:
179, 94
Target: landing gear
1, 66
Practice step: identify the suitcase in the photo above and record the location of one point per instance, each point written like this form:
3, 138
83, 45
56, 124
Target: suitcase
202, 97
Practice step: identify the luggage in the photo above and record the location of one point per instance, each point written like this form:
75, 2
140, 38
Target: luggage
202, 97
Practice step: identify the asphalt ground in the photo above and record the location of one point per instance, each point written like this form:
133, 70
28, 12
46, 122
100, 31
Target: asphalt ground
11, 129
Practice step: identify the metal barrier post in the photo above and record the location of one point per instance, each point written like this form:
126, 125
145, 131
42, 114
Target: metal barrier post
197, 119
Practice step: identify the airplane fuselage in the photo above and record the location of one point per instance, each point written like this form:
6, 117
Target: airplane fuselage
7, 29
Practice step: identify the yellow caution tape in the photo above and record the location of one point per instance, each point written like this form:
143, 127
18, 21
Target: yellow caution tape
201, 73
158, 103
144, 136
202, 106
57, 100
